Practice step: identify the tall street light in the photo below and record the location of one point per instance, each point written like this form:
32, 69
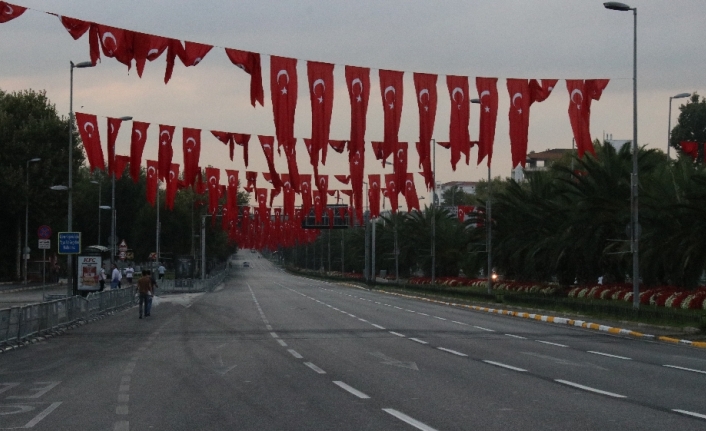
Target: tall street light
634, 227
669, 121
26, 249
99, 209
69, 257
114, 216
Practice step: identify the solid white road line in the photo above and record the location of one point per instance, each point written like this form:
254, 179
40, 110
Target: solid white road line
516, 336
419, 341
685, 369
396, 333
377, 326
411, 421
551, 344
590, 389
350, 389
686, 412
314, 367
509, 367
452, 351
295, 354
609, 355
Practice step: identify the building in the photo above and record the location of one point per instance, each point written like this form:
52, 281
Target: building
468, 187
539, 162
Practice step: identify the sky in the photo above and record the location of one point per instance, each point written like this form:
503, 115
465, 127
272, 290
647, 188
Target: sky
561, 39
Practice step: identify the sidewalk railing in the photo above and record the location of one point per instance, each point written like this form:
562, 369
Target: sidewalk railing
20, 323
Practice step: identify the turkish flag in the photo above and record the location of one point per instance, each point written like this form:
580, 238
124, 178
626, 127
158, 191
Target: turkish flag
191, 147
190, 54
165, 152
358, 83
488, 94
290, 153
213, 176
172, 183
425, 87
319, 205
345, 179
321, 95
232, 192
120, 165
382, 151
460, 116
306, 192
267, 143
356, 162
400, 164
250, 63
392, 95
242, 140
88, 129
410, 193
75, 27
462, 211
147, 47
289, 194
138, 138
113, 129
261, 200
283, 86
690, 148
322, 186
227, 139
581, 94
10, 11
522, 94
251, 178
116, 43
392, 190
337, 146
152, 181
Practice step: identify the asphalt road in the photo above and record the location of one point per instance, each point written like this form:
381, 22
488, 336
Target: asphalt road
269, 351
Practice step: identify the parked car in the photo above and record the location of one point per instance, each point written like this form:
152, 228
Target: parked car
246, 264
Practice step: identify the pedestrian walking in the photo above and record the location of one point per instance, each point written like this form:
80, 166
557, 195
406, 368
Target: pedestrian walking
101, 278
161, 270
129, 272
115, 277
144, 290
153, 283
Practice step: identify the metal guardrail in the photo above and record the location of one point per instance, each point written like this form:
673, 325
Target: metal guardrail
20, 323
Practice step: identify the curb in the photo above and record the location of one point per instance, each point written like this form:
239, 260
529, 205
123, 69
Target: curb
553, 319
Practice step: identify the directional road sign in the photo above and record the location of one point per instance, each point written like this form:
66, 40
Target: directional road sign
69, 242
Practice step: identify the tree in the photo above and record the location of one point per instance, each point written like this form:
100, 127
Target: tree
691, 125
455, 195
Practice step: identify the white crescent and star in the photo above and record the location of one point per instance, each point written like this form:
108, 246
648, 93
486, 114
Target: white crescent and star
231, 179
9, 10
172, 175
400, 154
151, 52
515, 96
323, 88
394, 92
197, 60
93, 128
285, 73
453, 95
169, 136
139, 133
109, 35
193, 146
421, 94
573, 93
151, 171
483, 94
375, 184
409, 184
213, 183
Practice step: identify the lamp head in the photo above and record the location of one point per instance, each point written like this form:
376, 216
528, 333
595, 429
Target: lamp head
126, 118
614, 5
474, 100
82, 64
59, 188
681, 95
36, 159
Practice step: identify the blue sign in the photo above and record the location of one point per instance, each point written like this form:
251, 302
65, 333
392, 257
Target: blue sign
69, 242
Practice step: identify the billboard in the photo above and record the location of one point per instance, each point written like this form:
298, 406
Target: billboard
88, 267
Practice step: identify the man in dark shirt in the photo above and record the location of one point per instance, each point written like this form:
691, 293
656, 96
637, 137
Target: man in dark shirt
144, 289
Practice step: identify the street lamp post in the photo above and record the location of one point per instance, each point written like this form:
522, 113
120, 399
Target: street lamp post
26, 249
69, 257
669, 121
99, 209
433, 213
634, 233
114, 215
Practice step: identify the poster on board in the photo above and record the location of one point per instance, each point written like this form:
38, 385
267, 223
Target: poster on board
88, 267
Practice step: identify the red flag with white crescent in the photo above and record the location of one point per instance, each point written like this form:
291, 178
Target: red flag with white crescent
358, 83
581, 94
522, 94
251, 178
268, 143
9, 11
116, 43
460, 115
227, 139
319, 205
213, 176
165, 152
290, 153
232, 192
391, 90
345, 179
147, 47
425, 88
283, 86
191, 147
138, 138
374, 194
152, 181
400, 164
410, 193
75, 27
392, 191
250, 63
88, 129
321, 95
305, 187
337, 145
462, 212
261, 195
113, 129
172, 185
121, 163
242, 140
488, 95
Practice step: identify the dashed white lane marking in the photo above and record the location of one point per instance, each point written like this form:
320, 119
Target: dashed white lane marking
440, 318
269, 328
684, 369
460, 323
453, 352
295, 353
377, 326
590, 389
609, 355
516, 336
396, 333
282, 343
121, 426
484, 329
551, 344
423, 314
509, 367
122, 409
409, 420
688, 413
274, 335
411, 311
350, 389
314, 367
419, 341
362, 320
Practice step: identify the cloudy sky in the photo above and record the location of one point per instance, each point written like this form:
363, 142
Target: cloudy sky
503, 38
